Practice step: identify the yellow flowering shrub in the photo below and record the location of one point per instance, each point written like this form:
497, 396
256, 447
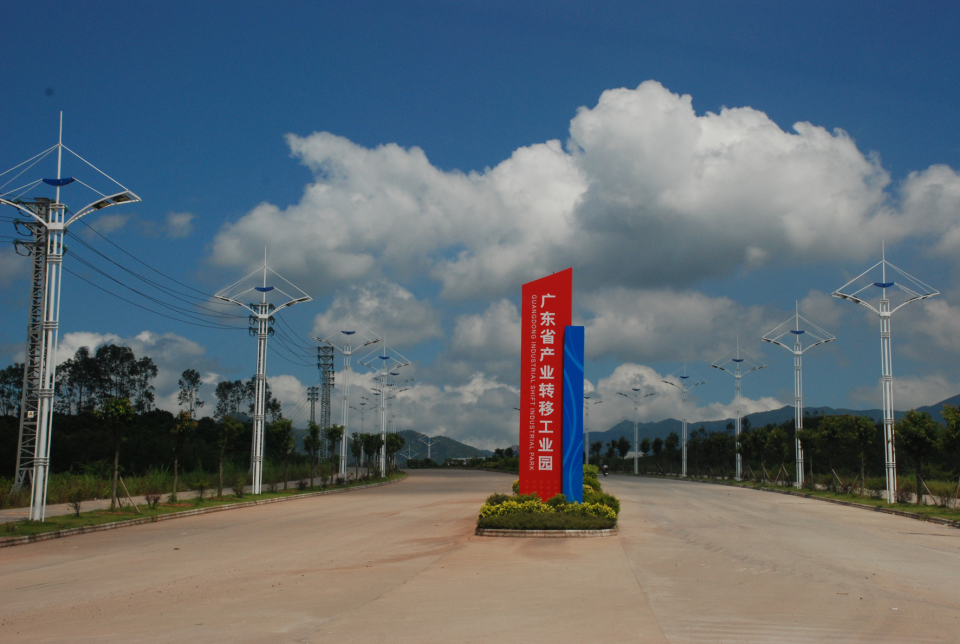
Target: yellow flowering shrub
581, 509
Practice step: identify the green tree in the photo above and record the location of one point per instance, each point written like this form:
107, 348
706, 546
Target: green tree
182, 428
334, 434
835, 433
144, 371
228, 428
623, 447
116, 414
11, 389
778, 445
189, 395
595, 448
864, 431
645, 446
657, 448
356, 450
396, 441
809, 443
917, 436
284, 443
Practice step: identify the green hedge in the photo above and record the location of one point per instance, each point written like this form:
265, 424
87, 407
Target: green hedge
545, 521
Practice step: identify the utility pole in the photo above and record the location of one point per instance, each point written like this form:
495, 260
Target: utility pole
47, 222
429, 442
262, 315
636, 398
819, 336
389, 359
723, 363
912, 290
587, 404
349, 327
684, 388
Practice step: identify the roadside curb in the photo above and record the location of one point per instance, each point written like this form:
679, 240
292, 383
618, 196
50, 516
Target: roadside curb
556, 534
950, 523
69, 532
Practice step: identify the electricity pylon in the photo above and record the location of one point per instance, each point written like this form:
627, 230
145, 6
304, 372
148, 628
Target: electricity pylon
429, 442
313, 395
636, 398
684, 388
349, 327
587, 404
325, 364
819, 337
913, 290
262, 313
47, 222
723, 363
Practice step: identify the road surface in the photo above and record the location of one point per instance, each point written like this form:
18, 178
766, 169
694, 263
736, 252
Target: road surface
693, 563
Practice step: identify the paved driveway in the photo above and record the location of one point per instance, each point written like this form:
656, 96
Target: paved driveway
400, 564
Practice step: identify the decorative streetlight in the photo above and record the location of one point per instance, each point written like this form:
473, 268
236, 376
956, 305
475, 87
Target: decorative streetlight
636, 398
587, 403
723, 363
389, 359
262, 313
47, 222
684, 388
913, 291
350, 327
818, 336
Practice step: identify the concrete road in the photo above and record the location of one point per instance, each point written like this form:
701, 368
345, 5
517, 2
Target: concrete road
399, 563
722, 564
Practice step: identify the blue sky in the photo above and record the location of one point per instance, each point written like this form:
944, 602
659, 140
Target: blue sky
685, 230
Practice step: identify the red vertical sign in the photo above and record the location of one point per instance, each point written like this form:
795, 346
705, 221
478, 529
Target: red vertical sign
547, 309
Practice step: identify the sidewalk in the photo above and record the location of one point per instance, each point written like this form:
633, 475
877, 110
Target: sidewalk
60, 509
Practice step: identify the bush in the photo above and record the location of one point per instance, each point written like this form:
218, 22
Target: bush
302, 485
153, 500
591, 472
906, 488
592, 483
877, 485
497, 499
558, 502
202, 484
76, 497
603, 499
536, 506
942, 492
516, 486
239, 483
545, 521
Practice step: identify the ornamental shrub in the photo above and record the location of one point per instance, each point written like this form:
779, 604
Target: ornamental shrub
497, 499
516, 486
545, 521
593, 484
558, 502
535, 506
591, 472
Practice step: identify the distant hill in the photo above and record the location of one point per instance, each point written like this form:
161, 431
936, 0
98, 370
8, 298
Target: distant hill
660, 429
441, 450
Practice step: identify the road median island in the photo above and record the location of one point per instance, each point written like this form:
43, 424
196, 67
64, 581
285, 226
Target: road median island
107, 520
923, 513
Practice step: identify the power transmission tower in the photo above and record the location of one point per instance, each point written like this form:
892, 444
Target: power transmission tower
684, 388
636, 398
47, 222
348, 328
819, 337
913, 290
262, 316
429, 442
313, 395
723, 363
325, 363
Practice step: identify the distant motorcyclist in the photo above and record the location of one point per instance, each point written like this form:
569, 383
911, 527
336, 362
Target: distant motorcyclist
606, 468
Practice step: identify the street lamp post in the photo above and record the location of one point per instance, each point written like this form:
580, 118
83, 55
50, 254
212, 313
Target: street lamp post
914, 290
587, 403
723, 363
684, 388
636, 398
819, 336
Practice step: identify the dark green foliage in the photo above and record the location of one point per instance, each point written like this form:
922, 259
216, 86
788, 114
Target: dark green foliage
558, 501
497, 499
544, 521
604, 499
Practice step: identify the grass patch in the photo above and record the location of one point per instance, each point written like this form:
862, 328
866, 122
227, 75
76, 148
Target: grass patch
99, 517
544, 521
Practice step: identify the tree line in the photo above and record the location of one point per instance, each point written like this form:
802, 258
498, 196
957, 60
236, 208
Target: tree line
840, 448
106, 423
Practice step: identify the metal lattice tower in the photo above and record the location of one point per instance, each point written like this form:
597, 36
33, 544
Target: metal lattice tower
723, 363
47, 222
636, 398
262, 316
313, 395
819, 336
349, 327
684, 388
325, 364
912, 290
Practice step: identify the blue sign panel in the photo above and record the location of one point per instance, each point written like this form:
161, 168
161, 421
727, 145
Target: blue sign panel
573, 413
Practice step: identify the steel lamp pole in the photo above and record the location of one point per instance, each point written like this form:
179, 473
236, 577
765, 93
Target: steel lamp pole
587, 403
684, 390
636, 398
723, 364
